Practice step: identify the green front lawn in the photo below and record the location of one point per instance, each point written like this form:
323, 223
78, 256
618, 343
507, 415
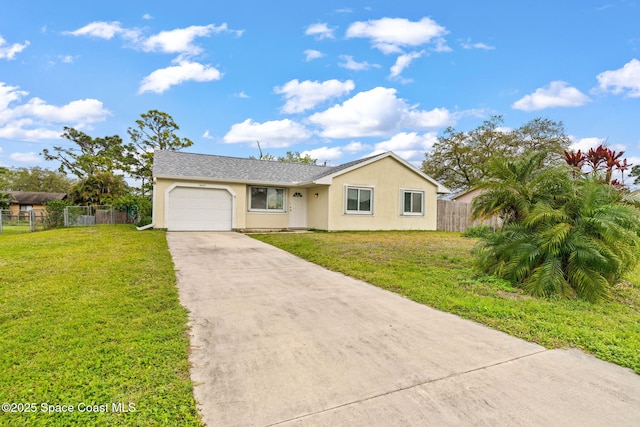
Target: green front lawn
436, 269
90, 320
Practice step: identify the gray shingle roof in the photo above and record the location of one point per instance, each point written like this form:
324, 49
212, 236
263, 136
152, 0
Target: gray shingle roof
181, 164
173, 164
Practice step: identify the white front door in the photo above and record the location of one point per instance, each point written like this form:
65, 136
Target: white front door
297, 208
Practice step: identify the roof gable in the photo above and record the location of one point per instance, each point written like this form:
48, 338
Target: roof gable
347, 167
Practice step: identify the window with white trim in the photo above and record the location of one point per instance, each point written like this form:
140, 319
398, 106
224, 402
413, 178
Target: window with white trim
359, 200
412, 202
266, 199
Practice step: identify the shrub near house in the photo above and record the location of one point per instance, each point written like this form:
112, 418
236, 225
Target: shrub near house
564, 233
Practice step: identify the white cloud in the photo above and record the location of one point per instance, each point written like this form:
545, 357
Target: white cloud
441, 45
271, 134
311, 54
162, 79
241, 94
390, 35
17, 131
147, 16
9, 51
377, 112
302, 96
105, 30
330, 155
556, 94
30, 157
355, 147
207, 135
427, 119
403, 62
409, 145
468, 45
79, 111
623, 79
350, 64
181, 40
320, 31
9, 94
34, 119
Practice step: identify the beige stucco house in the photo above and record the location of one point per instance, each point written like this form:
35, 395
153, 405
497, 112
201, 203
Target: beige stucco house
201, 192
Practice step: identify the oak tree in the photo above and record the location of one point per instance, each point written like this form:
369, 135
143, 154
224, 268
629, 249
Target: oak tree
459, 160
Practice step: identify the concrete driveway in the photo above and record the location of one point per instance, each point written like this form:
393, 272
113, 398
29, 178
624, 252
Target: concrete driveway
280, 341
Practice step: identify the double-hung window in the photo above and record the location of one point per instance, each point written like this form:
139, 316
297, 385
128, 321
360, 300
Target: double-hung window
359, 200
267, 199
412, 202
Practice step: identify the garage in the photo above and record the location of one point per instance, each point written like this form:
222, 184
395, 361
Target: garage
199, 209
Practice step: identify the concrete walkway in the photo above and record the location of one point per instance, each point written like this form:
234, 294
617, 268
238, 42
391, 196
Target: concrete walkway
280, 341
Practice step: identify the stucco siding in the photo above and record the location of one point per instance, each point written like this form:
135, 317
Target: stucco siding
388, 178
318, 208
266, 221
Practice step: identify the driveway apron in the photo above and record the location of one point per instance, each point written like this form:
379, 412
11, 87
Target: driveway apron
276, 340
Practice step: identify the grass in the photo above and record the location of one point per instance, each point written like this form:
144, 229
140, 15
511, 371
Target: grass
90, 318
436, 269
15, 229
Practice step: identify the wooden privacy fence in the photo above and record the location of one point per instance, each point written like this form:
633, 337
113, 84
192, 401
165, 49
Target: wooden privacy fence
456, 216
75, 216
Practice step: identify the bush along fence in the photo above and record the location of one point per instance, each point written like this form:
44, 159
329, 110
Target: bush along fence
58, 215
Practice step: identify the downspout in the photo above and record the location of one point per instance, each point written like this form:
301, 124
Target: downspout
153, 209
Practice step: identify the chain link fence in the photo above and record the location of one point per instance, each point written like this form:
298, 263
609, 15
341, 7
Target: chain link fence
12, 221
72, 216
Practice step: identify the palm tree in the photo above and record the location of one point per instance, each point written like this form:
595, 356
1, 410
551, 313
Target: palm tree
513, 186
97, 188
578, 247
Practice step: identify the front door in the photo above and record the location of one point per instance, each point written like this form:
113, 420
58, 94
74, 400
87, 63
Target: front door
297, 208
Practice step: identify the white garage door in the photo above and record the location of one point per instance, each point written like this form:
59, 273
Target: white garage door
199, 209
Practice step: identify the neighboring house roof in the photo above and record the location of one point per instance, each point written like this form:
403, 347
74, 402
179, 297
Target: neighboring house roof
34, 197
173, 164
471, 193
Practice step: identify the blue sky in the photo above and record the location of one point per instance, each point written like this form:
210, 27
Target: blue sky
339, 80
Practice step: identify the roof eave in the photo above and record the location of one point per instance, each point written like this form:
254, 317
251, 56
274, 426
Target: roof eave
233, 181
